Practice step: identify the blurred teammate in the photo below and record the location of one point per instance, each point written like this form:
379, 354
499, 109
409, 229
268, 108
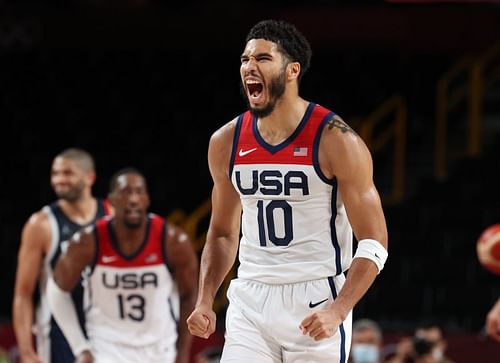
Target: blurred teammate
72, 177
138, 267
302, 177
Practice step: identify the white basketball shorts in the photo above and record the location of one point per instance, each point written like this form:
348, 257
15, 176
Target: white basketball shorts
263, 323
111, 352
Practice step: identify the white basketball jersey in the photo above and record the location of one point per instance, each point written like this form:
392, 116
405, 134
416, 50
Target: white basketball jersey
294, 223
131, 298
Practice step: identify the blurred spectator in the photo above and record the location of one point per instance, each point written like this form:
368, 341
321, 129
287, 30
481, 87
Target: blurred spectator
404, 349
209, 355
4, 356
432, 334
367, 342
413, 350
428, 345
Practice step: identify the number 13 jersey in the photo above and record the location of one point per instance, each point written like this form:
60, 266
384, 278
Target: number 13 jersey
294, 224
131, 299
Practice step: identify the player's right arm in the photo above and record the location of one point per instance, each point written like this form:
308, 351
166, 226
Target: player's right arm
221, 245
493, 321
67, 273
35, 242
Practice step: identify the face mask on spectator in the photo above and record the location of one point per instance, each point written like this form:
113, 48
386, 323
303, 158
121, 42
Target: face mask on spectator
365, 353
437, 354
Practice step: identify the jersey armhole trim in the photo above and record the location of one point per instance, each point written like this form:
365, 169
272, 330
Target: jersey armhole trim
236, 138
342, 347
96, 250
317, 140
333, 229
106, 205
54, 231
163, 241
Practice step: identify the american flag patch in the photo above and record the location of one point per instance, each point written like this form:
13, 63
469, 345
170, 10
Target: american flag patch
299, 151
152, 257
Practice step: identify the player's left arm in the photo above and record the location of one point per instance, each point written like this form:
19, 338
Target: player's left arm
182, 259
344, 155
67, 273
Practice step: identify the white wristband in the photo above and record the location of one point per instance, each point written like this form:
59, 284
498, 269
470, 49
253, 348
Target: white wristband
372, 250
62, 308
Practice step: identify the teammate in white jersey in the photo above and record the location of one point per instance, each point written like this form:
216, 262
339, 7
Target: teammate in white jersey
296, 178
72, 177
138, 267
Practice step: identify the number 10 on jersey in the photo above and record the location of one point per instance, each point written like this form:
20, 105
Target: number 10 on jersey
268, 215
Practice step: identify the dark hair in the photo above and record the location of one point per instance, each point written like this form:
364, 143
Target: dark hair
129, 170
290, 41
367, 324
81, 157
431, 323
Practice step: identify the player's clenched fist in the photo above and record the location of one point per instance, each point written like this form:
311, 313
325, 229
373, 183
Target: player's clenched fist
85, 357
321, 324
201, 322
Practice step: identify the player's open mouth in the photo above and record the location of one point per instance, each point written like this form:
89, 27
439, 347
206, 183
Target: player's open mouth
61, 186
254, 89
134, 213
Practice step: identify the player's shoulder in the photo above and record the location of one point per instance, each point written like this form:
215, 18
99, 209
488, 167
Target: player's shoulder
89, 231
221, 142
225, 133
344, 152
176, 233
37, 231
39, 219
340, 137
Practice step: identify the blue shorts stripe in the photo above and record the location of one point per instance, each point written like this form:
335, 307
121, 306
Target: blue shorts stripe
341, 327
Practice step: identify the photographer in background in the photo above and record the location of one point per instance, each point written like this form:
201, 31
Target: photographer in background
413, 350
433, 334
426, 346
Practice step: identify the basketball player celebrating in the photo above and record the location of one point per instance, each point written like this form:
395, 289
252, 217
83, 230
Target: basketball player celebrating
72, 177
138, 266
301, 177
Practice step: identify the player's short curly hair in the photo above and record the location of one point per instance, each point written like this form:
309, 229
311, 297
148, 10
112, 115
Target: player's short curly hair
290, 41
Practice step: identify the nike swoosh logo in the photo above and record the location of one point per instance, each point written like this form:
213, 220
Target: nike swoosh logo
108, 259
377, 255
313, 305
246, 152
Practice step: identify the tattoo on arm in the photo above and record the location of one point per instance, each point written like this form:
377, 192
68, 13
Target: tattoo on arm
339, 124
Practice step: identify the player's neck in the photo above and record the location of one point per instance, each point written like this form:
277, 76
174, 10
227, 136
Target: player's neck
284, 119
129, 239
82, 210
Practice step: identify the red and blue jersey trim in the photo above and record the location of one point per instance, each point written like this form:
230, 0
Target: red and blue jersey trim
150, 252
300, 148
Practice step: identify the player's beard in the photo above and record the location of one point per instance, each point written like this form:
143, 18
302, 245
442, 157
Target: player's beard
72, 194
275, 91
134, 223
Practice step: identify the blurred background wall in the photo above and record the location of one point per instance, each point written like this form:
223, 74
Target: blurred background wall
146, 82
